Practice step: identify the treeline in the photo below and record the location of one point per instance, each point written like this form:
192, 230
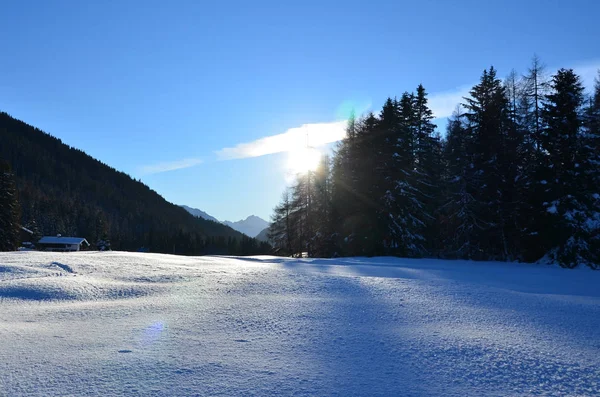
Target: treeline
62, 190
516, 177
9, 209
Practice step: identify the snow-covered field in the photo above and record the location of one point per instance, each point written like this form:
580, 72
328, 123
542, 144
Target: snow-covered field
110, 324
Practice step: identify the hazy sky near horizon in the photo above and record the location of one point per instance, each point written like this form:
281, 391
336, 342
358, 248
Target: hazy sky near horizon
198, 99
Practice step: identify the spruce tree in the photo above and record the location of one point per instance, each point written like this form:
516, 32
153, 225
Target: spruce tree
457, 213
343, 197
427, 172
590, 156
568, 217
487, 176
322, 239
403, 204
366, 236
9, 209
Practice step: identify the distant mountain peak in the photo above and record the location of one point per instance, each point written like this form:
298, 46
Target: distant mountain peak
251, 226
199, 213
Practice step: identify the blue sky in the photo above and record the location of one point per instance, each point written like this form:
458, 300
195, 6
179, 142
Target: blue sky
148, 86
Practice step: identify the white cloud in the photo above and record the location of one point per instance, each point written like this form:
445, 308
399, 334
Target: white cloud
588, 72
444, 103
169, 166
318, 134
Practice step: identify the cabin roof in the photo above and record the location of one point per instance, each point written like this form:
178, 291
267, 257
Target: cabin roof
62, 240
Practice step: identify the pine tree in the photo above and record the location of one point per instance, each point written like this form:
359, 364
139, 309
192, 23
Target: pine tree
458, 212
354, 204
322, 238
343, 199
593, 118
515, 178
516, 160
389, 133
590, 158
281, 232
403, 204
9, 209
427, 172
487, 175
568, 217
366, 234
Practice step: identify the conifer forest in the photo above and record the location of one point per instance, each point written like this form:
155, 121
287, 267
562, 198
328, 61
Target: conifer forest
514, 177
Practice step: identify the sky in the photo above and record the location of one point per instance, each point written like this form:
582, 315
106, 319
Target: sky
203, 101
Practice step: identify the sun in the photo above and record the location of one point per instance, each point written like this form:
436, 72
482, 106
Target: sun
303, 160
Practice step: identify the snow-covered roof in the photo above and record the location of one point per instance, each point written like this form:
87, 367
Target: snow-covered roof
62, 240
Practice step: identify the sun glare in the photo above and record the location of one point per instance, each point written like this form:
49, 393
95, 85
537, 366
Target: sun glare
306, 159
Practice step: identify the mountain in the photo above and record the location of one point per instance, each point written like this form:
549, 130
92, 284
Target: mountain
63, 190
250, 226
199, 213
263, 235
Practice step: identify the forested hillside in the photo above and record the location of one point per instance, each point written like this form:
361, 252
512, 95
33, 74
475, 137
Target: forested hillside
63, 190
516, 176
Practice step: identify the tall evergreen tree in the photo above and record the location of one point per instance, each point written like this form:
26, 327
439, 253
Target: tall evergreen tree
365, 236
592, 149
343, 197
566, 174
488, 179
515, 178
322, 238
458, 217
593, 116
404, 207
282, 232
427, 171
9, 209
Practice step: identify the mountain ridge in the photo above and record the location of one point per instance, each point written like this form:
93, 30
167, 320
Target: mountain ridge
200, 214
64, 190
251, 226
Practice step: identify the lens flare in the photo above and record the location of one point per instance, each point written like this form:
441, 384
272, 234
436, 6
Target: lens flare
303, 160
153, 332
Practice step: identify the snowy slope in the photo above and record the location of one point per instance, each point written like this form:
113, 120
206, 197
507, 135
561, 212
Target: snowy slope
251, 226
263, 235
199, 213
137, 324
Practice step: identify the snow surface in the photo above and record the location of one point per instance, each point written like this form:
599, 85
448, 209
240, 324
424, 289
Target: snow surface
113, 323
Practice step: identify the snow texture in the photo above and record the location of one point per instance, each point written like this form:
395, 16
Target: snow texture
112, 323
